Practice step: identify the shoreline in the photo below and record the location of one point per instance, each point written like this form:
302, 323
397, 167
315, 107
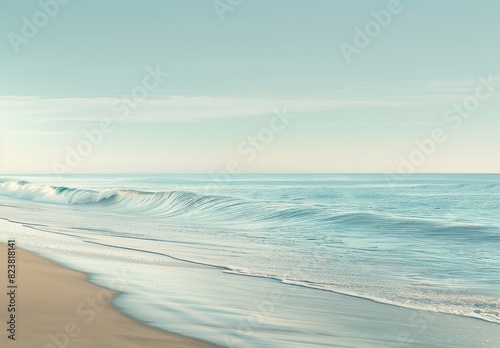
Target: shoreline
59, 307
272, 312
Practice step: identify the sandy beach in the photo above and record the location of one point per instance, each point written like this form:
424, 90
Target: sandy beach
57, 307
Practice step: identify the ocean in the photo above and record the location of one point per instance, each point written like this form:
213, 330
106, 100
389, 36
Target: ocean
173, 243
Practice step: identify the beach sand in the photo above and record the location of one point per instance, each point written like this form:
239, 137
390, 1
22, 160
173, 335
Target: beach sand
57, 307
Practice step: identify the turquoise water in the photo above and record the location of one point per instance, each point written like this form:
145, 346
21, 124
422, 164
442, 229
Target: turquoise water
428, 242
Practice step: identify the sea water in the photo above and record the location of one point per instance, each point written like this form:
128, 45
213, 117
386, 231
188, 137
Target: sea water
426, 242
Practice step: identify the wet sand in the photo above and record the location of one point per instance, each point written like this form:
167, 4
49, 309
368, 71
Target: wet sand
57, 307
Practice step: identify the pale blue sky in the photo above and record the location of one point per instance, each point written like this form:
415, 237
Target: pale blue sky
226, 78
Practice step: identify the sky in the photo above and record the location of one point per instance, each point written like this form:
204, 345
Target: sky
185, 86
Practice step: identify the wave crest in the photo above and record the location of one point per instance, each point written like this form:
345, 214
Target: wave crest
52, 194
162, 203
